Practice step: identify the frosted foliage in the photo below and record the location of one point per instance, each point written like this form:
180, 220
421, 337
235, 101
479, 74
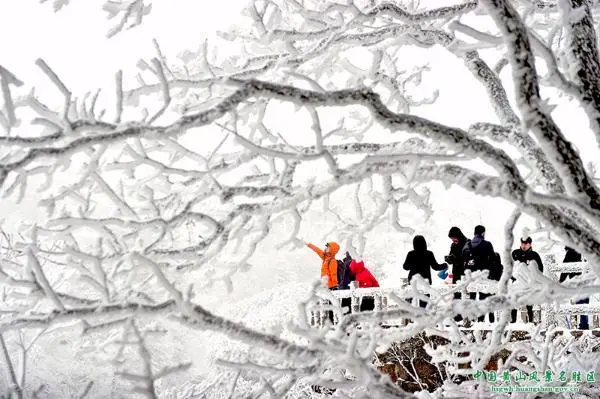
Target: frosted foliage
126, 13
120, 223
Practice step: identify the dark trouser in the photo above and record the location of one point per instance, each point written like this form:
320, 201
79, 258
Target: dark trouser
529, 313
367, 303
457, 296
482, 296
513, 314
456, 276
583, 319
422, 303
346, 305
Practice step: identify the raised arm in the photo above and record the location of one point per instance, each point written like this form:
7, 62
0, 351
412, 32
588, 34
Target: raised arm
318, 250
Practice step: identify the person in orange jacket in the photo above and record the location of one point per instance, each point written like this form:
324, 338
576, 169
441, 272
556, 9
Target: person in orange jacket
329, 265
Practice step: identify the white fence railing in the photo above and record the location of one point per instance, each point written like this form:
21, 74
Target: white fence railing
567, 315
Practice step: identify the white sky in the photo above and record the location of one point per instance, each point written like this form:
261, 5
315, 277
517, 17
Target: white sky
73, 41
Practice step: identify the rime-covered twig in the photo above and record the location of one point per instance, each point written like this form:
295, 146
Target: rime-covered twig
175, 293
131, 9
556, 77
24, 349
367, 98
119, 95
397, 12
42, 280
86, 390
582, 44
7, 79
560, 151
91, 312
499, 99
507, 261
16, 388
158, 66
147, 377
61, 86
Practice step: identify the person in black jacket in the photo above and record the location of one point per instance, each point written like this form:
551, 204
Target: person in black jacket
526, 254
572, 256
420, 261
455, 258
478, 254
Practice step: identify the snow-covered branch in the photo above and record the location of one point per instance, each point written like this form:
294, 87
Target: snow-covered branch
190, 176
583, 46
535, 115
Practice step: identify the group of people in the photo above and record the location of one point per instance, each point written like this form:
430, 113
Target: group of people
465, 254
472, 254
340, 274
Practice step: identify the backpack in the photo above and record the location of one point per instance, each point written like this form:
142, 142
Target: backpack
344, 274
497, 260
471, 258
341, 273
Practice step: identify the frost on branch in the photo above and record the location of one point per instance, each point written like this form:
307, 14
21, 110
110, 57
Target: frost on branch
57, 4
128, 13
146, 206
131, 14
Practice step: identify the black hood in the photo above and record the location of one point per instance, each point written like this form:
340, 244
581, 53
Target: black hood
419, 244
455, 232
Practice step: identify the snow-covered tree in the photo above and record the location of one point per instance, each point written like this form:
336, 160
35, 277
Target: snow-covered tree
149, 203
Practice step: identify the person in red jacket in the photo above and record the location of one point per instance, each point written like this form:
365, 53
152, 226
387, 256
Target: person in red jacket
365, 279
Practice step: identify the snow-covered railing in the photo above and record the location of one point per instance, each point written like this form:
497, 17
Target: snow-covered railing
556, 268
569, 314
386, 299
